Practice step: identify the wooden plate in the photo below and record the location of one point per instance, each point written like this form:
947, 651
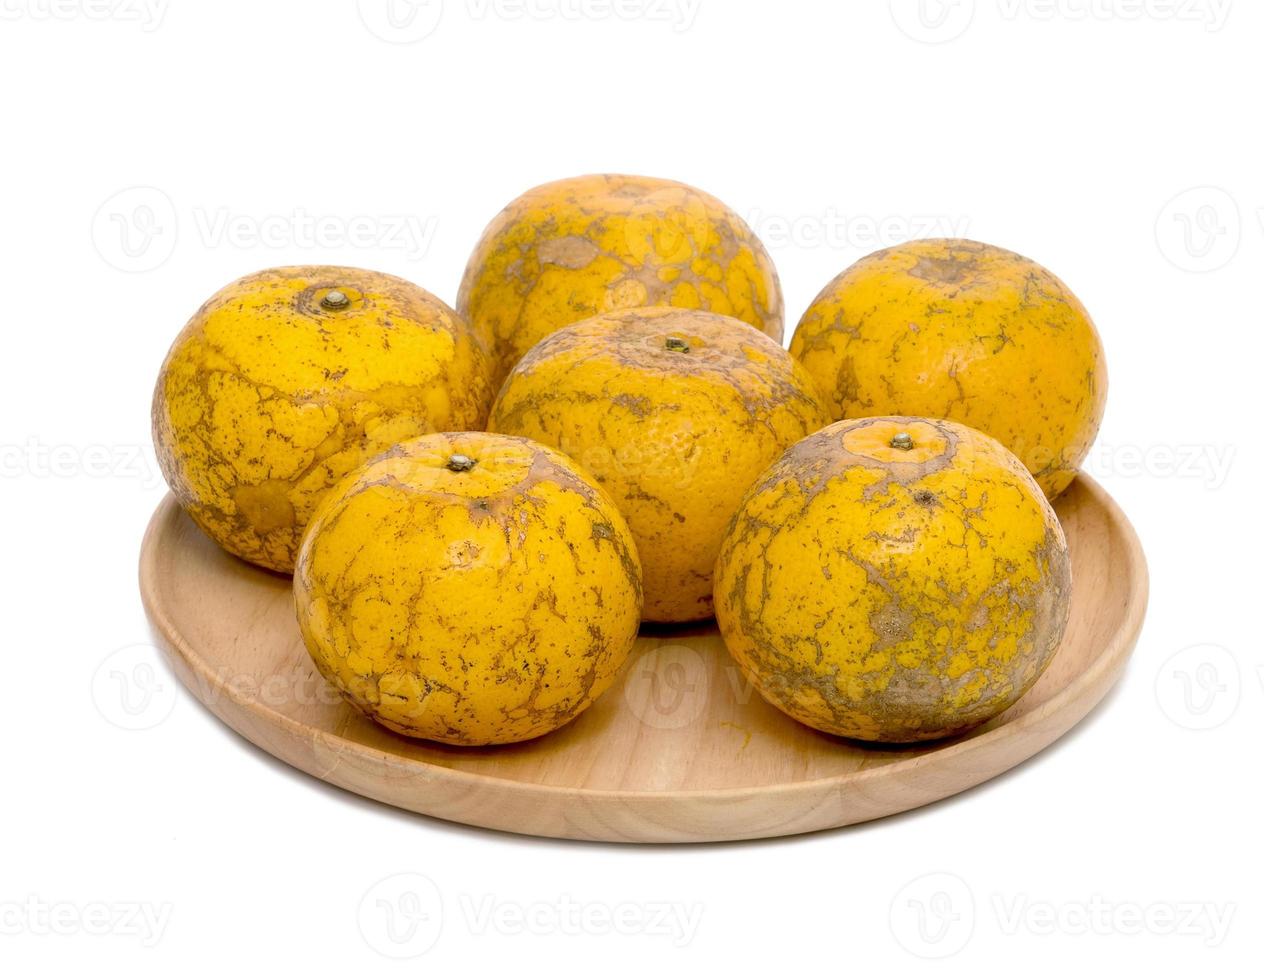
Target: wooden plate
679, 749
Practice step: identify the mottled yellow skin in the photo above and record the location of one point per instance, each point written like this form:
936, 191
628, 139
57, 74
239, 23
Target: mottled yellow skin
890, 594
949, 328
477, 606
268, 398
675, 436
575, 248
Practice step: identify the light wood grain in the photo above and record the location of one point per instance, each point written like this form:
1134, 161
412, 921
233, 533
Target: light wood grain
680, 749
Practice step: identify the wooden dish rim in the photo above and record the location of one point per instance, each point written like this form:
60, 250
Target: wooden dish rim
1103, 667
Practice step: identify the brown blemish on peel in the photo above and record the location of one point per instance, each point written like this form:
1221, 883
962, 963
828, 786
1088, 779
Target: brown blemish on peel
571, 252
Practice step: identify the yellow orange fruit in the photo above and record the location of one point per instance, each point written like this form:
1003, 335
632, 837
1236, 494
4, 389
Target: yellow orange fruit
949, 328
575, 248
286, 380
675, 413
468, 588
894, 579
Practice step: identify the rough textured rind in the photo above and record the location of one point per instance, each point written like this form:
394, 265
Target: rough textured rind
575, 248
950, 328
472, 606
894, 595
267, 397
675, 436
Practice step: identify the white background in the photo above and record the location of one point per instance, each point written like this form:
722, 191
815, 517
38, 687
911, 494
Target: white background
1116, 142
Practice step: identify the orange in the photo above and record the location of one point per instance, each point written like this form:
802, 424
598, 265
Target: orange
949, 328
286, 380
894, 579
468, 588
575, 248
675, 413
